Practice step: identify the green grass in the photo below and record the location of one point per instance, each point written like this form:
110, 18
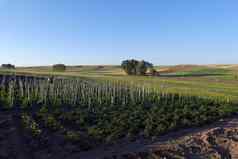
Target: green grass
211, 80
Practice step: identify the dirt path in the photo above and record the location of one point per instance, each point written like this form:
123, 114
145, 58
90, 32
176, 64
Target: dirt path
146, 145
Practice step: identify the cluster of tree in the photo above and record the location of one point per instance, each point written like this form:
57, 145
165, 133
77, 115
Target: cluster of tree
135, 67
59, 67
8, 66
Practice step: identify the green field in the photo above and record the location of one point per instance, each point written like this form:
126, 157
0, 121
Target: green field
202, 80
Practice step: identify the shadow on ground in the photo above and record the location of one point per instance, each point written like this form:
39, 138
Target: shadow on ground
191, 75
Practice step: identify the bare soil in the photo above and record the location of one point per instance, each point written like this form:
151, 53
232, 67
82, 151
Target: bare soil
218, 140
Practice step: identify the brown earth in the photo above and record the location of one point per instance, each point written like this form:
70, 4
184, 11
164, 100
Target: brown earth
218, 140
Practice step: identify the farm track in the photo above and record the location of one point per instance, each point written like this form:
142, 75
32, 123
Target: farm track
185, 143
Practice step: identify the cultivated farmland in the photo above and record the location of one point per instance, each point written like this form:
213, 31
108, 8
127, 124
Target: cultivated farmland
80, 110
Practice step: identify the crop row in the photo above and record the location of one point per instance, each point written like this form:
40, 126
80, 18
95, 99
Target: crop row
86, 110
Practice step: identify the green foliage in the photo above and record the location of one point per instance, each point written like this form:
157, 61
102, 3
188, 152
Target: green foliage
72, 136
30, 125
5, 100
59, 67
106, 111
8, 66
51, 122
141, 68
134, 67
153, 71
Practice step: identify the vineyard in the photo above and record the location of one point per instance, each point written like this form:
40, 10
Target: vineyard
87, 113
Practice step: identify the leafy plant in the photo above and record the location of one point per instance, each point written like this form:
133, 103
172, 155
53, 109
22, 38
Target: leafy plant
106, 110
30, 125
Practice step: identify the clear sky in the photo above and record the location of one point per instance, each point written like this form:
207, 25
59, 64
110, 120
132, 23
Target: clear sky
42, 32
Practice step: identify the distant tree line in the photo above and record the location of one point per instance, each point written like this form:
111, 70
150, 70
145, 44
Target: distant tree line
59, 67
8, 66
135, 67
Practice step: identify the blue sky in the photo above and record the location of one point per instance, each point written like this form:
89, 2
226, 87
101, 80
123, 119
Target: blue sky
44, 32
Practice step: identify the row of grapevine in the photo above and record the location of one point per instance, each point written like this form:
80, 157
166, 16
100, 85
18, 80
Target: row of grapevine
29, 91
87, 110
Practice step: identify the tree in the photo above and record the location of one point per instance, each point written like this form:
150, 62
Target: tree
134, 67
59, 67
152, 71
141, 68
129, 66
8, 66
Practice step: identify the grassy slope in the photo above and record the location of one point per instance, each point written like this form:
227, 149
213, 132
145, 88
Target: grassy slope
209, 80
